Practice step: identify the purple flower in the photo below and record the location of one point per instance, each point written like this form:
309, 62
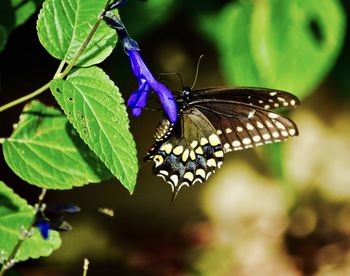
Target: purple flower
138, 99
52, 217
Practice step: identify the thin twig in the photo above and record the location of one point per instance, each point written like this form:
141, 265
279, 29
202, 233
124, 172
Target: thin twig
85, 43
58, 74
23, 236
25, 98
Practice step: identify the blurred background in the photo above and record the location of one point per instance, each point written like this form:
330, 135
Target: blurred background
276, 210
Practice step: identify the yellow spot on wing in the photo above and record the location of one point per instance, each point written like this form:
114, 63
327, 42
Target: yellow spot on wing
185, 155
178, 150
167, 148
189, 176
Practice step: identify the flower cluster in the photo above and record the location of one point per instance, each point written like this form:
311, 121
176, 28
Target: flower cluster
146, 80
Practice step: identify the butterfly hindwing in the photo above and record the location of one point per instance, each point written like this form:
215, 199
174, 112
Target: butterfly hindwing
191, 154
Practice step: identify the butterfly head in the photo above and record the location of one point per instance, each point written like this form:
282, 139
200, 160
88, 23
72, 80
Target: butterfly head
186, 94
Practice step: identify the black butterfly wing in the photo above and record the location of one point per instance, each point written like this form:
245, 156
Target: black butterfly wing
191, 152
241, 126
260, 97
215, 121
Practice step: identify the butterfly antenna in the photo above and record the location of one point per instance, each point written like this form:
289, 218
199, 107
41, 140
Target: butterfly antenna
197, 70
173, 73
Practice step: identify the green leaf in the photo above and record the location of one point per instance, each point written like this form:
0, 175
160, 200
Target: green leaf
46, 151
289, 45
94, 106
295, 43
229, 31
63, 25
16, 215
15, 12
23, 10
152, 14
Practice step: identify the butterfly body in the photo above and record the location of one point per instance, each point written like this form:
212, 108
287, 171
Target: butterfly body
212, 122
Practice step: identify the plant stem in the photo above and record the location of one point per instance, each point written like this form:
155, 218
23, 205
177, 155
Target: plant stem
86, 266
24, 234
85, 43
25, 98
58, 74
59, 69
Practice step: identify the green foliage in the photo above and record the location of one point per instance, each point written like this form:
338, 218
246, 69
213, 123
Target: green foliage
63, 25
96, 109
13, 14
16, 214
46, 151
151, 13
290, 45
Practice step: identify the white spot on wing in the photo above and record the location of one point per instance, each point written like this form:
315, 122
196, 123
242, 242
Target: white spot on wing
284, 133
201, 173
273, 115
256, 138
259, 125
236, 143
246, 141
250, 126
175, 179
211, 162
214, 140
279, 125
164, 172
251, 114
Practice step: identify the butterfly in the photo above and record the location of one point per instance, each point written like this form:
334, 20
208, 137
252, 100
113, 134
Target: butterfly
212, 122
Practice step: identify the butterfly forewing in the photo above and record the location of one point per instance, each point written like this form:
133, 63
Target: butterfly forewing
260, 97
242, 126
